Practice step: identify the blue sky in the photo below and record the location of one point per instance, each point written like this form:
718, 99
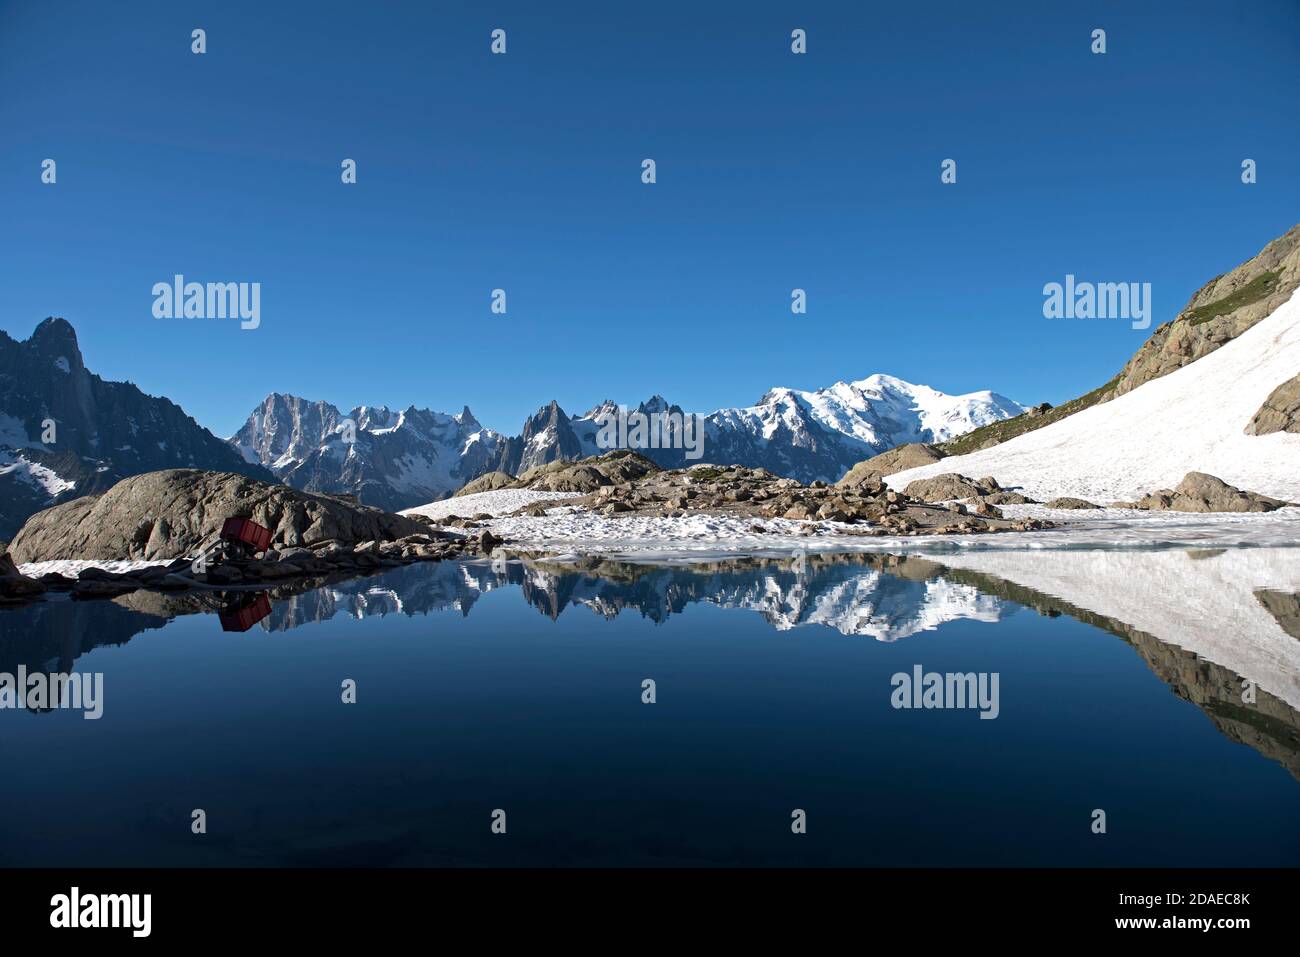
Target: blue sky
522, 171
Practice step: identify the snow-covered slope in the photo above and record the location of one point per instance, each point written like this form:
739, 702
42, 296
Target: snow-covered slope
1192, 419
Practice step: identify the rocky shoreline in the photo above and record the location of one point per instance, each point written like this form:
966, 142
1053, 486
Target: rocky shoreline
327, 558
168, 519
161, 523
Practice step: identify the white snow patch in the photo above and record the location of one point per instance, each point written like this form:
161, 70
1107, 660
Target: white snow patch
61, 363
499, 502
34, 474
71, 568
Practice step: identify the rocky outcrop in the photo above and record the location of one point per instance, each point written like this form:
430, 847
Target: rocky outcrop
1198, 492
908, 456
1280, 411
1008, 498
486, 483
589, 474
947, 487
1221, 310
174, 513
560, 475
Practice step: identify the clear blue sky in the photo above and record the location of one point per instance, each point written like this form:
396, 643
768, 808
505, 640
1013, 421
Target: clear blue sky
523, 172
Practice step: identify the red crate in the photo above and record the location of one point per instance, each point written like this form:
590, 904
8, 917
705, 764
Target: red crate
247, 531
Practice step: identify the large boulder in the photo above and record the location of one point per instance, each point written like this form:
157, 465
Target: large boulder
171, 514
1069, 501
1198, 492
1280, 411
1008, 498
897, 459
945, 487
486, 483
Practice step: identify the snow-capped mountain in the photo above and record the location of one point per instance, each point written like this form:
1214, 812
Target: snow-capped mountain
817, 435
65, 432
388, 459
404, 459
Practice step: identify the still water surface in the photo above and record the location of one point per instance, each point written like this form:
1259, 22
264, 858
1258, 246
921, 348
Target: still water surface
1120, 679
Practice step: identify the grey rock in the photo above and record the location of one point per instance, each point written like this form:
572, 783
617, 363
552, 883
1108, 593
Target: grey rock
944, 487
487, 483
1007, 498
897, 459
193, 505
1280, 411
1199, 492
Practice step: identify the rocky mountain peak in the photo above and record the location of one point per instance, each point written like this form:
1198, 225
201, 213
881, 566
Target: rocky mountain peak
54, 340
467, 420
57, 332
548, 416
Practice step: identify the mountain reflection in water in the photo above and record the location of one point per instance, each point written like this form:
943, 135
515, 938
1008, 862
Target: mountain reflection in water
1205, 622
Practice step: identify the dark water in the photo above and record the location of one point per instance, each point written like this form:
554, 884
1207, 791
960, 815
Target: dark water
522, 690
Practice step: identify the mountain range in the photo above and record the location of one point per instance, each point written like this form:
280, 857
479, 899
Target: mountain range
401, 459
66, 432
